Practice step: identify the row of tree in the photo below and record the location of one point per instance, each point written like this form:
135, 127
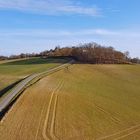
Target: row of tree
86, 53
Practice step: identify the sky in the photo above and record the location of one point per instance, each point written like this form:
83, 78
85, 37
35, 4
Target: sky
28, 26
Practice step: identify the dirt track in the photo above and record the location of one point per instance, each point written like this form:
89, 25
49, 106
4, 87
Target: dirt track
54, 96
124, 133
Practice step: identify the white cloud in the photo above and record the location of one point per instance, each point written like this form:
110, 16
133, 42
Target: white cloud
50, 7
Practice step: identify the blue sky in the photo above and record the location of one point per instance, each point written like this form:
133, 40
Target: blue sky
37, 25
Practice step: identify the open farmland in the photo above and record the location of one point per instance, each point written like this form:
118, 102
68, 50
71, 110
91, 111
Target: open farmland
83, 102
14, 70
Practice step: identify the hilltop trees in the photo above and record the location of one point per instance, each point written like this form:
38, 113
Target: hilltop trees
91, 53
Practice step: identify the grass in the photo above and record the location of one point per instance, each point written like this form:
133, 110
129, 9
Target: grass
89, 102
11, 71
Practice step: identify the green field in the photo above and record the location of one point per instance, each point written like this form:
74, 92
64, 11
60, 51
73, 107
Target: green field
11, 71
84, 102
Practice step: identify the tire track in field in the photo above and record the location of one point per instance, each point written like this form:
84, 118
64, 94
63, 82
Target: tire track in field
123, 131
106, 112
52, 134
52, 128
123, 136
48, 114
36, 135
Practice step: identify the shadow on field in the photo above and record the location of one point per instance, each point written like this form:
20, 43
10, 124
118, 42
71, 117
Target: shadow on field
5, 110
6, 89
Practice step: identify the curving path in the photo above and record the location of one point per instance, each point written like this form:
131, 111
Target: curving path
22, 85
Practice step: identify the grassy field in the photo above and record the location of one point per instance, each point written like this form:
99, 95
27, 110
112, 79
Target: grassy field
84, 102
13, 70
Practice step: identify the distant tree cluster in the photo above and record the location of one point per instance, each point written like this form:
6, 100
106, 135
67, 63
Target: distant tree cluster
90, 53
85, 53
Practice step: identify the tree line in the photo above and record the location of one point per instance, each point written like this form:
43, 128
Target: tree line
85, 53
91, 53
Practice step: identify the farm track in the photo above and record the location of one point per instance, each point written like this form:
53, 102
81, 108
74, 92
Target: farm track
52, 128
124, 133
112, 136
123, 136
54, 96
116, 120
